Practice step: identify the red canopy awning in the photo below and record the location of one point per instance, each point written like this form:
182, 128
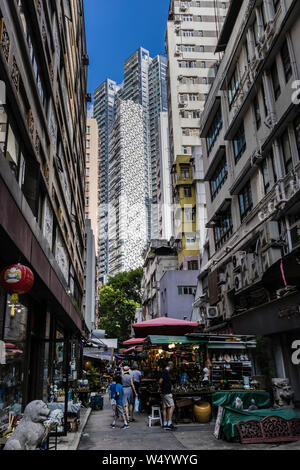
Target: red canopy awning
129, 350
134, 341
164, 326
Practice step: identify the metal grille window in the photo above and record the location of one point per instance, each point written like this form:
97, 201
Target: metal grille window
245, 201
286, 61
286, 152
257, 112
214, 130
233, 87
218, 179
223, 229
275, 81
239, 143
266, 176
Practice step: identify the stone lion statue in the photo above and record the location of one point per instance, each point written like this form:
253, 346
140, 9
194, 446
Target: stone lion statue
30, 431
283, 393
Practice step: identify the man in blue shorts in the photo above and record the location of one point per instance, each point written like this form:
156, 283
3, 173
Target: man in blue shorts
119, 404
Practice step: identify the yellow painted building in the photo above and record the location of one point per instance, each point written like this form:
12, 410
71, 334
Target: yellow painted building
185, 223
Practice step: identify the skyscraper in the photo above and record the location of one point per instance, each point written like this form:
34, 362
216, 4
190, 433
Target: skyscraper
144, 84
158, 103
136, 88
192, 33
92, 178
127, 213
104, 101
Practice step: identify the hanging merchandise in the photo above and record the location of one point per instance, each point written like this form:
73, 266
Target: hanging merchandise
16, 279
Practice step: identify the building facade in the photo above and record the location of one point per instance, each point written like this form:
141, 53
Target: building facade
128, 220
43, 74
250, 134
104, 103
160, 257
164, 182
191, 38
177, 293
92, 179
158, 103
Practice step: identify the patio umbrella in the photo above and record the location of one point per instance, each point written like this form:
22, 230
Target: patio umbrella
164, 326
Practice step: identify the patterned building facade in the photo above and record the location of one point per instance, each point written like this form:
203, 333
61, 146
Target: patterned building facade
43, 73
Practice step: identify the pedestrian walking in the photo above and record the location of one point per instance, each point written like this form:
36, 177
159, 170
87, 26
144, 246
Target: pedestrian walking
168, 405
119, 405
136, 375
112, 394
129, 393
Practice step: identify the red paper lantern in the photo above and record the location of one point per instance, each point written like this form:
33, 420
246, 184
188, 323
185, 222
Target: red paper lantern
16, 279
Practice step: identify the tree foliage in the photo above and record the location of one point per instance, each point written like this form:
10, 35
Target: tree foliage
118, 300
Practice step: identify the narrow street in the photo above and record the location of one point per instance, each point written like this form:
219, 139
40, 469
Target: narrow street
98, 435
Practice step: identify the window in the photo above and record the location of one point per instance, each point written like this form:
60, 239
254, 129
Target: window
264, 99
273, 166
239, 143
233, 87
186, 290
189, 214
190, 239
193, 265
245, 201
255, 32
187, 17
297, 133
275, 81
266, 176
286, 61
187, 191
187, 33
276, 4
184, 172
223, 229
203, 64
257, 113
286, 152
218, 179
214, 130
200, 33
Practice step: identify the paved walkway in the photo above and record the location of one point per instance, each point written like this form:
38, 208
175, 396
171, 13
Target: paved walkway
98, 435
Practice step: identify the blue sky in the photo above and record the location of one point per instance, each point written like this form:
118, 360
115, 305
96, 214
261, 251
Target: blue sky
116, 28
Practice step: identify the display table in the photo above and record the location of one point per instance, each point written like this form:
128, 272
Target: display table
224, 398
73, 408
232, 416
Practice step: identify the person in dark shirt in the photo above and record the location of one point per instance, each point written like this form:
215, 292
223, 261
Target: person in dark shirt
168, 404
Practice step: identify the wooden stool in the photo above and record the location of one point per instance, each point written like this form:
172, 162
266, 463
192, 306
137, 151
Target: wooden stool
155, 415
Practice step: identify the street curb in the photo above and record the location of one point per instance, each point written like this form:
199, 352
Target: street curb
81, 429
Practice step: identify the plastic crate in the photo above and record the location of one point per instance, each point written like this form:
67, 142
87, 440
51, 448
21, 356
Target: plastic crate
96, 402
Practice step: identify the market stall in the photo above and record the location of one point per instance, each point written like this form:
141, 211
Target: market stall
203, 365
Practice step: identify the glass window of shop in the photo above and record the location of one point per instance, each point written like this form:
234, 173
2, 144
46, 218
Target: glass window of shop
13, 332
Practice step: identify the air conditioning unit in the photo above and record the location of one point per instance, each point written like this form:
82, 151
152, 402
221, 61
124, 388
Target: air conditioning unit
212, 312
238, 284
181, 105
237, 260
269, 234
177, 53
269, 257
180, 77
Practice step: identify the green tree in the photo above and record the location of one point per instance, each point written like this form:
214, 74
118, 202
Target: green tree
129, 282
118, 301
